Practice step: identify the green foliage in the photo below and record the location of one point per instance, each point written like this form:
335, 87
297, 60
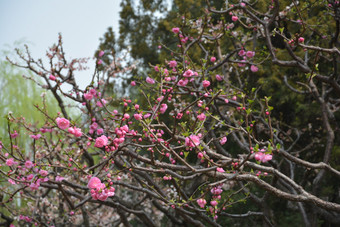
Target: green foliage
19, 95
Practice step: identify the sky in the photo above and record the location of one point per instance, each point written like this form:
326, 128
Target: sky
38, 22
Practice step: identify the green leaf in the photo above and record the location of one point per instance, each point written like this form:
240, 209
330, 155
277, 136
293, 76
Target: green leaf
281, 30
278, 146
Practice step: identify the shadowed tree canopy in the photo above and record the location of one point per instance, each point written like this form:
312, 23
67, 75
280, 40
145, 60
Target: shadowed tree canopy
145, 31
145, 26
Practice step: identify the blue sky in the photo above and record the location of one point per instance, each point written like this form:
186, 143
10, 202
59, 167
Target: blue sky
38, 22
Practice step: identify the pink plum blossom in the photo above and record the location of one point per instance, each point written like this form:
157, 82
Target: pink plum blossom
11, 162
201, 117
172, 64
126, 116
101, 141
100, 131
36, 137
301, 39
262, 157
150, 80
94, 126
166, 72
25, 218
213, 59
95, 183
133, 83
250, 54
254, 68
138, 117
234, 18
59, 178
62, 123
29, 164
93, 91
14, 134
35, 186
163, 108
206, 83
101, 53
241, 53
184, 40
88, 96
147, 115
223, 140
183, 83
43, 173
44, 130
213, 203
51, 77
221, 170
99, 190
30, 177
216, 190
219, 78
192, 141
201, 202
175, 30
188, 73
75, 131
101, 103
104, 194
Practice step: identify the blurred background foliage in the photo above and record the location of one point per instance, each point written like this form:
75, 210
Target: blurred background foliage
19, 95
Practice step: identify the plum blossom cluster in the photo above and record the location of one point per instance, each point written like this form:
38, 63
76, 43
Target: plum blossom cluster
94, 94
246, 55
111, 144
192, 141
25, 218
30, 177
99, 191
63, 123
75, 131
201, 202
263, 157
216, 196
